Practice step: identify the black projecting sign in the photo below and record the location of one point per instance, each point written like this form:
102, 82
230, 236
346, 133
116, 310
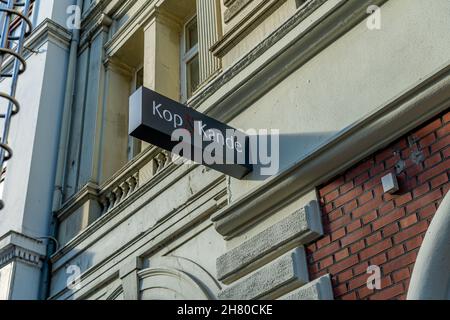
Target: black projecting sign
190, 134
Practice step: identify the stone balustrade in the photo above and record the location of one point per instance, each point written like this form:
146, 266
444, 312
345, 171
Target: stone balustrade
127, 181
93, 201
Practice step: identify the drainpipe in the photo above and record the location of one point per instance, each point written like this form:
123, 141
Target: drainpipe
62, 152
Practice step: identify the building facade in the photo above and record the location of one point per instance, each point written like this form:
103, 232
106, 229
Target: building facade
358, 89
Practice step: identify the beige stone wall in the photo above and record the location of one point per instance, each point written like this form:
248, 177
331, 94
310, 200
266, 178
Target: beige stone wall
6, 273
317, 73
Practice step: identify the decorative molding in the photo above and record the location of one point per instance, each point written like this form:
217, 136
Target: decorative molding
49, 30
385, 124
319, 289
17, 253
88, 192
101, 24
246, 25
122, 9
116, 293
300, 228
167, 283
249, 58
207, 280
275, 279
114, 193
98, 8
228, 3
320, 32
15, 246
112, 212
120, 188
175, 227
46, 31
430, 279
234, 7
198, 280
209, 29
143, 189
130, 27
117, 66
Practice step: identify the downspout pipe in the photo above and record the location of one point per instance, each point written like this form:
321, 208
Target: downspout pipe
62, 154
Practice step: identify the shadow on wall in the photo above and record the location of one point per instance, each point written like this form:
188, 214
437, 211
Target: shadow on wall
276, 155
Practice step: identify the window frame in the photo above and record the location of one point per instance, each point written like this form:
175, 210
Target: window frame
134, 145
186, 57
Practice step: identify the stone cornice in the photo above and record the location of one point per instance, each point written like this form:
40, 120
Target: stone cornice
120, 11
91, 229
92, 190
47, 30
146, 12
228, 3
288, 48
354, 143
173, 230
97, 9
117, 66
249, 58
16, 246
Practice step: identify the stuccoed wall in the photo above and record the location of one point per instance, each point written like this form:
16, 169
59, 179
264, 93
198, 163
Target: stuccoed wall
22, 143
5, 280
34, 136
169, 227
353, 77
279, 12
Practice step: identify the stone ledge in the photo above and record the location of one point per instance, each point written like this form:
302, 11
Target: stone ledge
234, 8
17, 246
391, 120
319, 289
244, 25
281, 276
227, 3
301, 227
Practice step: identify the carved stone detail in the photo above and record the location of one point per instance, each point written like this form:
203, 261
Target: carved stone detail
273, 280
19, 247
231, 72
319, 289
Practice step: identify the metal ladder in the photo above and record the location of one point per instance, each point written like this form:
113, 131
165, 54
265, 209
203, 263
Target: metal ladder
11, 51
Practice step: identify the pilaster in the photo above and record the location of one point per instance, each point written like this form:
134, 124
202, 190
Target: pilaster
130, 279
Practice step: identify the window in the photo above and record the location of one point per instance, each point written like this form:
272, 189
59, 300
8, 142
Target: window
190, 59
134, 145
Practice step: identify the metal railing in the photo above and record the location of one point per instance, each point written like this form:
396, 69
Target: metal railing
11, 46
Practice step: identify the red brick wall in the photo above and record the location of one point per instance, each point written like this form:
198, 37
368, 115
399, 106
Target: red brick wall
365, 227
